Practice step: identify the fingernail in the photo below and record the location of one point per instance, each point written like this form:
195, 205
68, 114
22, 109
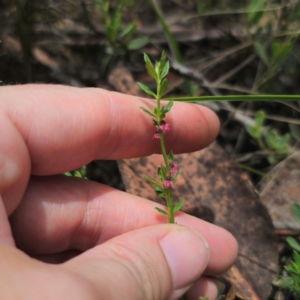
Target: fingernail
187, 254
220, 286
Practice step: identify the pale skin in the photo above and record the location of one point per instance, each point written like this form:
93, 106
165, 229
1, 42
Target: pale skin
123, 248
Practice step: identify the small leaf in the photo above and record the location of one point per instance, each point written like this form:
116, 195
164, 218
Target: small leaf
113, 27
155, 123
159, 191
261, 52
163, 87
285, 283
260, 117
161, 211
293, 243
171, 156
296, 211
272, 159
178, 206
146, 89
138, 43
275, 48
165, 70
148, 112
162, 61
168, 106
153, 181
161, 174
154, 109
128, 31
150, 67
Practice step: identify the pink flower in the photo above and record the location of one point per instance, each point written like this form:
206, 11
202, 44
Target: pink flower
156, 136
168, 184
173, 170
165, 127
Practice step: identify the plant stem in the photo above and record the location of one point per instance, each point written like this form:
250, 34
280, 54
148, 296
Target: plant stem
164, 152
169, 199
168, 191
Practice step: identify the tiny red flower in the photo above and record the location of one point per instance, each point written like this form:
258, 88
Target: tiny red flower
168, 184
173, 169
156, 136
165, 127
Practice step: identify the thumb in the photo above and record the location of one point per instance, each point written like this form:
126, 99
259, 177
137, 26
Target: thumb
157, 262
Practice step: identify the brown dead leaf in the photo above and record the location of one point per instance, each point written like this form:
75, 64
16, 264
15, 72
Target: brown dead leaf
234, 275
280, 189
218, 191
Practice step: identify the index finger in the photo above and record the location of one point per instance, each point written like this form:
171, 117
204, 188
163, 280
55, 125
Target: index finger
66, 127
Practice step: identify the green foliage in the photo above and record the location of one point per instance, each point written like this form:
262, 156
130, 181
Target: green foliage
279, 52
275, 146
256, 11
153, 181
158, 72
292, 281
161, 211
178, 206
296, 211
121, 38
80, 173
294, 244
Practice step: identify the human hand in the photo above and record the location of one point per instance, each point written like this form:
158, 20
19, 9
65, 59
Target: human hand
121, 249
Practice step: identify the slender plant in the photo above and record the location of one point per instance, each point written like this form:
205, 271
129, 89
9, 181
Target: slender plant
169, 172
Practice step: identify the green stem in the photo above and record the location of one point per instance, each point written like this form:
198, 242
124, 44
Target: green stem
238, 98
169, 199
164, 152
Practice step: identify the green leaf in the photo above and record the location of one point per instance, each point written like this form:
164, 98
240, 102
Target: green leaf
260, 117
161, 211
128, 31
68, 174
159, 191
297, 259
271, 138
137, 43
163, 60
153, 181
161, 173
163, 88
171, 156
146, 89
256, 11
261, 52
284, 283
150, 67
165, 70
102, 6
293, 243
147, 111
114, 26
296, 211
275, 48
272, 159
178, 206
168, 106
